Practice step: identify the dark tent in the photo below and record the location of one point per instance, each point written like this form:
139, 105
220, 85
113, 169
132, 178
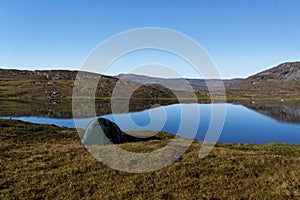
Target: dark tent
101, 131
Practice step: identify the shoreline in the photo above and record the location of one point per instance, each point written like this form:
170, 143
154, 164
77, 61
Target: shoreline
137, 132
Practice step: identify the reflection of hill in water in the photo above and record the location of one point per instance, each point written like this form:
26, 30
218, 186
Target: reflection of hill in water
52, 109
281, 111
63, 108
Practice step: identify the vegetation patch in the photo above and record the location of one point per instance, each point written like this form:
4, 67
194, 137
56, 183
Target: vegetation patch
49, 162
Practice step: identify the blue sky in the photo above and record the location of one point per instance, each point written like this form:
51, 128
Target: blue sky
242, 37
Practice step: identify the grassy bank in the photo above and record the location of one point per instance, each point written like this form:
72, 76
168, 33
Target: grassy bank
49, 162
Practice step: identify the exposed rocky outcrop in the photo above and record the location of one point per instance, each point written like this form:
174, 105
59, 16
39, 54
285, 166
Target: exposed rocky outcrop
284, 72
282, 80
38, 74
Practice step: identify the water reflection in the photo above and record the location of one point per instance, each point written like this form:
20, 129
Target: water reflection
288, 111
241, 125
282, 111
62, 108
38, 108
258, 124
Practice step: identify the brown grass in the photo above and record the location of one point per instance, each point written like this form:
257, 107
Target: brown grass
48, 162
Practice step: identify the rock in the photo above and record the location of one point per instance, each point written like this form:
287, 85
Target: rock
285, 71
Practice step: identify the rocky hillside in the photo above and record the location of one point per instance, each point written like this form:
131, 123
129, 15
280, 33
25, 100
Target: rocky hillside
178, 83
49, 84
284, 72
13, 74
282, 81
58, 84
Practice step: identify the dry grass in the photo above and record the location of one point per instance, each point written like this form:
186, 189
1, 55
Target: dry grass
36, 87
48, 162
265, 90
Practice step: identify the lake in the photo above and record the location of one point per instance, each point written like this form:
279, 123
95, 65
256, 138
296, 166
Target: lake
249, 123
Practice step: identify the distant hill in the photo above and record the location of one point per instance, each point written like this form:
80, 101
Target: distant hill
284, 72
49, 84
58, 84
178, 83
282, 81
278, 82
12, 74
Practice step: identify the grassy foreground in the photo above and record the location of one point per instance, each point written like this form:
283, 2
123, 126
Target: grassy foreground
49, 162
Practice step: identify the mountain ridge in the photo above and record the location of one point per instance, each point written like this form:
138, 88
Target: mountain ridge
285, 71
282, 81
178, 83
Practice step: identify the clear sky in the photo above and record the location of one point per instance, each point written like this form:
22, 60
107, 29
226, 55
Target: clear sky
242, 37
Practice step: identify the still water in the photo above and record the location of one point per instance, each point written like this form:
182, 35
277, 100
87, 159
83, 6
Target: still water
244, 125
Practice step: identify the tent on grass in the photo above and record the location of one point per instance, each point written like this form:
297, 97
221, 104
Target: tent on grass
102, 131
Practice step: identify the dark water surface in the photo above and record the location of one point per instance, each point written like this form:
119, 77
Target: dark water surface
249, 123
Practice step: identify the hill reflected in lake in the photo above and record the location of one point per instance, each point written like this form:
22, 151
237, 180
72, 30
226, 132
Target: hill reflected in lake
241, 123
281, 111
62, 109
